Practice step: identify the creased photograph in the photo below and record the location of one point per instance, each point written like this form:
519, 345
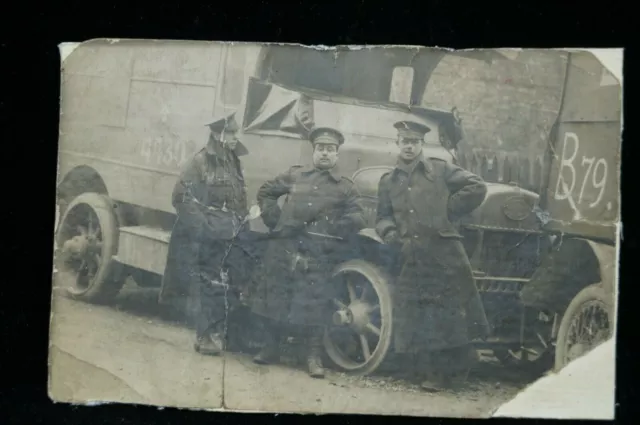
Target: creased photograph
386, 230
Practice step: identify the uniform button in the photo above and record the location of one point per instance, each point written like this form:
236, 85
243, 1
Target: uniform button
415, 236
409, 189
315, 187
411, 211
309, 204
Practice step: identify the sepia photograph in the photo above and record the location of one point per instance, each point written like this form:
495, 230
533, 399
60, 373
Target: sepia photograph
382, 230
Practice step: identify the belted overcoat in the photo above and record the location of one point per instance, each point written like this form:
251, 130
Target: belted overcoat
436, 303
210, 200
319, 201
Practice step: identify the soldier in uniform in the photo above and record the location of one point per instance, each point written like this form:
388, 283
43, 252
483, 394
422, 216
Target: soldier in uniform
437, 304
318, 200
205, 254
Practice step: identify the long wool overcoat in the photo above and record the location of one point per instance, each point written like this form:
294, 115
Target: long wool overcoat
318, 201
436, 302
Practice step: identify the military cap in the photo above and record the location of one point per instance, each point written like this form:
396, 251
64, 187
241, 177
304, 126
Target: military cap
326, 135
225, 123
411, 129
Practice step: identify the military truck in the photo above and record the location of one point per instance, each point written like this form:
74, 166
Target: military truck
134, 112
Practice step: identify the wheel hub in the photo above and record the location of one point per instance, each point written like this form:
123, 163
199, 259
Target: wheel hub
76, 247
356, 316
342, 317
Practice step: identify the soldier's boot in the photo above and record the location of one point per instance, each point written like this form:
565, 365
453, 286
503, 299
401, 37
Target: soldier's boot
459, 376
449, 380
451, 369
435, 382
209, 345
270, 352
314, 360
429, 370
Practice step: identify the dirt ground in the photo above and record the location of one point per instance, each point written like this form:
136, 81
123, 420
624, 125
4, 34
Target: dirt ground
128, 353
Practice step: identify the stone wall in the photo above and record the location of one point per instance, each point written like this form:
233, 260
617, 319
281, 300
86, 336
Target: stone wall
508, 106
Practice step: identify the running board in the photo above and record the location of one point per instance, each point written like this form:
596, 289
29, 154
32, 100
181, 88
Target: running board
144, 248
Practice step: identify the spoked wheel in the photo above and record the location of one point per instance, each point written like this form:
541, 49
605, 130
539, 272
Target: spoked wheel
587, 323
360, 335
87, 240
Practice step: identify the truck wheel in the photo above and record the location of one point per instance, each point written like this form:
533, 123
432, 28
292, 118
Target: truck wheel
360, 337
87, 240
587, 322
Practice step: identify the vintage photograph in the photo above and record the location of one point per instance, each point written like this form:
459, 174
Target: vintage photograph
389, 230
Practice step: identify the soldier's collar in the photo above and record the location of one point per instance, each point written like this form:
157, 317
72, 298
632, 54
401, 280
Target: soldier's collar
411, 166
215, 148
332, 172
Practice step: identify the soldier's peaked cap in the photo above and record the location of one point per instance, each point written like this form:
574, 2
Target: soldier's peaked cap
411, 129
326, 135
227, 122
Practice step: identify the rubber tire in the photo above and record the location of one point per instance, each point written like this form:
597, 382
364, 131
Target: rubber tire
590, 293
378, 279
107, 281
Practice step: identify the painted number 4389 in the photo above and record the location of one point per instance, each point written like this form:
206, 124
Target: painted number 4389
159, 151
